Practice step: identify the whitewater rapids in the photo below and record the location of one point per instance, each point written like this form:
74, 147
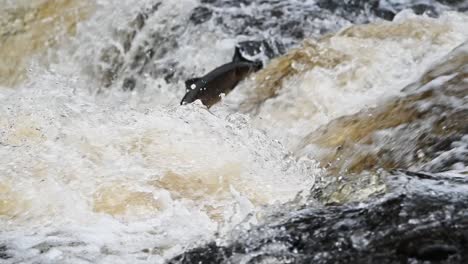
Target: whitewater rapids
93, 174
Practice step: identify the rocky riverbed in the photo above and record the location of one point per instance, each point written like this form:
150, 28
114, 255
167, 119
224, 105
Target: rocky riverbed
350, 146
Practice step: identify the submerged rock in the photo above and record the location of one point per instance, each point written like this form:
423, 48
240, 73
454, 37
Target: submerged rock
273, 25
130, 56
425, 130
396, 189
421, 129
421, 220
200, 15
3, 252
402, 134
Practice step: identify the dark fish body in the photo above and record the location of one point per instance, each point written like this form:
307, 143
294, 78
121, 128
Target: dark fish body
221, 80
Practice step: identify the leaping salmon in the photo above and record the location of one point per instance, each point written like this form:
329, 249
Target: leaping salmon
221, 80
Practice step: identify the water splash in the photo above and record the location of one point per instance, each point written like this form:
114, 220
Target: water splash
133, 177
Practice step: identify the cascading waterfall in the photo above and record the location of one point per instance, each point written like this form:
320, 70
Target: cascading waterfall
100, 164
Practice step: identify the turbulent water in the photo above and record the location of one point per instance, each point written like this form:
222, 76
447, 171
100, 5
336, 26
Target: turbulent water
100, 164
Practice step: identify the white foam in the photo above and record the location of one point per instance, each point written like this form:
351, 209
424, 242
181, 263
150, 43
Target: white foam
102, 178
101, 174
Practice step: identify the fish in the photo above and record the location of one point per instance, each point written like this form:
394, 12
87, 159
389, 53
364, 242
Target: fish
220, 80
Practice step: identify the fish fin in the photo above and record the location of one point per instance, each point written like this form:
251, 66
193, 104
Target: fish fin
190, 82
238, 56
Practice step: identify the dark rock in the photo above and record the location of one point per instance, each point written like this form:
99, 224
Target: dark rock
385, 14
166, 70
417, 222
3, 252
142, 56
112, 61
253, 48
226, 3
136, 25
424, 9
451, 2
352, 10
293, 28
360, 9
200, 15
128, 39
277, 13
129, 84
436, 252
282, 24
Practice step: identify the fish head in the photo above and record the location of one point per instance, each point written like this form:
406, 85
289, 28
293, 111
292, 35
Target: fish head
189, 97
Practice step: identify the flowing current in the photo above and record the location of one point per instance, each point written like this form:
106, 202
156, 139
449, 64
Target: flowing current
100, 164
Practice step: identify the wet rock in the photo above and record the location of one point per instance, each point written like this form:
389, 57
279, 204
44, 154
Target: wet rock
451, 2
285, 23
142, 56
417, 222
3, 252
350, 9
129, 84
113, 58
424, 9
294, 29
128, 36
287, 29
359, 10
435, 252
423, 130
269, 81
200, 15
228, 3
277, 13
112, 62
254, 48
385, 13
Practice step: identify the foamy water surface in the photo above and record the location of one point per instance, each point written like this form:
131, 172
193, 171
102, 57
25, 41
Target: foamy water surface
130, 177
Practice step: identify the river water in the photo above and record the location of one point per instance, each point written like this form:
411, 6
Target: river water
100, 164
